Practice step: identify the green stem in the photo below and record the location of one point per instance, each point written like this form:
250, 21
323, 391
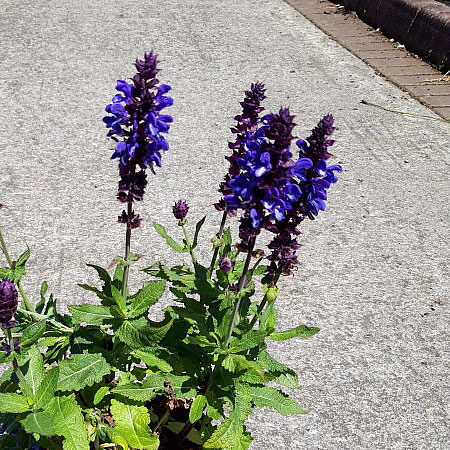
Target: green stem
163, 418
16, 367
239, 289
26, 302
216, 250
189, 425
188, 243
263, 302
126, 269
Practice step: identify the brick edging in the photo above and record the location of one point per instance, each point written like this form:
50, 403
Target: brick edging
422, 26
390, 60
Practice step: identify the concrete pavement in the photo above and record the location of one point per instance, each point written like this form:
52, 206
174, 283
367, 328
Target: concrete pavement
374, 272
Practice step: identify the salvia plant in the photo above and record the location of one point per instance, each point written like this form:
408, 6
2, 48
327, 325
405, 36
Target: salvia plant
105, 375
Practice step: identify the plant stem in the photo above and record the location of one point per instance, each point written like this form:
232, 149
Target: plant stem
189, 425
216, 250
264, 301
126, 269
16, 367
188, 243
163, 418
26, 302
239, 289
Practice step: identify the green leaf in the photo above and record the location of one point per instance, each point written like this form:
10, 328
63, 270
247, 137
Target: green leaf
32, 333
137, 392
268, 319
47, 388
69, 422
300, 331
146, 297
197, 407
40, 423
146, 355
35, 372
82, 370
193, 436
197, 231
273, 398
119, 299
106, 298
92, 314
142, 333
100, 394
13, 403
229, 433
183, 385
104, 276
247, 341
132, 423
5, 273
283, 374
23, 258
242, 363
163, 233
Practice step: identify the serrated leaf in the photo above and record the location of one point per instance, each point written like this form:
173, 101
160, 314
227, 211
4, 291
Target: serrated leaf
147, 356
300, 331
172, 243
198, 227
197, 407
273, 398
82, 370
47, 388
249, 340
146, 297
23, 258
106, 298
183, 385
34, 372
142, 333
268, 319
229, 433
13, 403
282, 374
32, 333
93, 314
104, 276
119, 299
243, 363
132, 423
134, 391
68, 421
39, 422
100, 394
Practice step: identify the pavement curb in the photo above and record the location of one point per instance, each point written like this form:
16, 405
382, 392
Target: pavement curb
388, 58
423, 26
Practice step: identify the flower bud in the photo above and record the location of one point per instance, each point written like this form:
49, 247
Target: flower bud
180, 209
8, 302
226, 264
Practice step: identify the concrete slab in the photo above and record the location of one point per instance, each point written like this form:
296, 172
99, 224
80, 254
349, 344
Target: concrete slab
374, 272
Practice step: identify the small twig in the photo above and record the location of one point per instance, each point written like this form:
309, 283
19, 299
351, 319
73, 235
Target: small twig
365, 102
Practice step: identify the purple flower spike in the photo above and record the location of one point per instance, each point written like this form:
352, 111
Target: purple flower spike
8, 303
138, 127
180, 209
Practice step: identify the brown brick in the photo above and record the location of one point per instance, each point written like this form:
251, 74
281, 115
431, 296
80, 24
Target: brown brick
430, 89
437, 101
418, 69
394, 53
411, 80
443, 112
370, 46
